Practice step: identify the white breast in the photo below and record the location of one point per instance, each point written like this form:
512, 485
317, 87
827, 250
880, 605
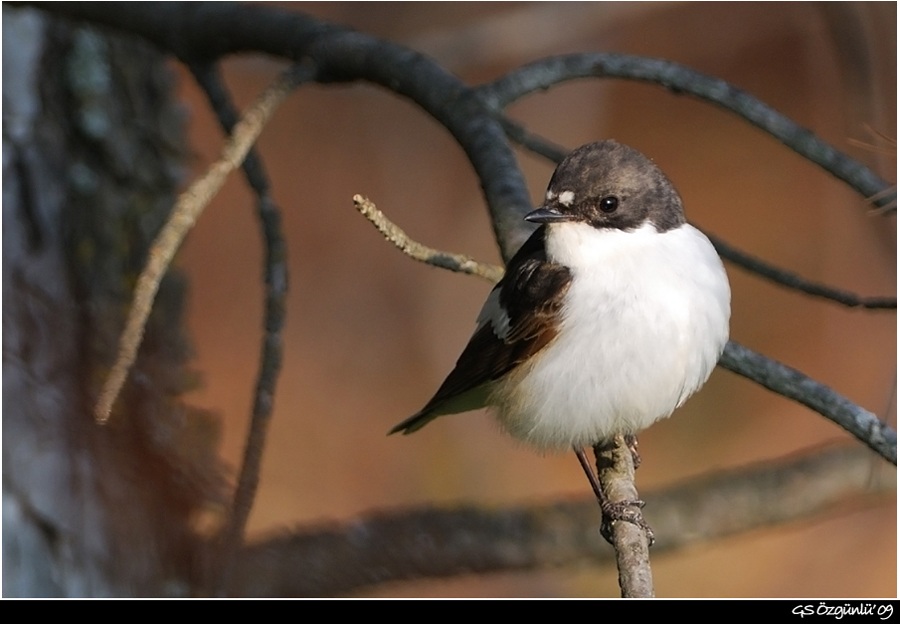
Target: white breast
646, 319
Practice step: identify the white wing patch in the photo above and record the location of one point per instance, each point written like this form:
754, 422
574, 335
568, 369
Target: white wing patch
492, 312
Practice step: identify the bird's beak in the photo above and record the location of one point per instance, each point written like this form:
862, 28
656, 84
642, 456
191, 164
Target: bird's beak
547, 215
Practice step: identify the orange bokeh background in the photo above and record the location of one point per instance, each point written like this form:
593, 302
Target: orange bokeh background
370, 334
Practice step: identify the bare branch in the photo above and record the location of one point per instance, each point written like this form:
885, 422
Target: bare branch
796, 282
433, 543
417, 251
185, 213
545, 73
793, 384
276, 281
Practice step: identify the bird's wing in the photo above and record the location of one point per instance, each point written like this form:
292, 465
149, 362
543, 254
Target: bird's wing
519, 318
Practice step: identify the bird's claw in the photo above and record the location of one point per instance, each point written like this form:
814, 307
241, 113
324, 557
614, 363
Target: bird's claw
631, 442
625, 511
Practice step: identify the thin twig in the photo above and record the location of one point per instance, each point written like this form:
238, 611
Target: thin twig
417, 251
188, 208
276, 281
882, 208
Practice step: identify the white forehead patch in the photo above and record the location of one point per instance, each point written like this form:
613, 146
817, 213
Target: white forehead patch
550, 195
566, 198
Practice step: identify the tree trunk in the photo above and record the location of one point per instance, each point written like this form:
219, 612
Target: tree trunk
91, 159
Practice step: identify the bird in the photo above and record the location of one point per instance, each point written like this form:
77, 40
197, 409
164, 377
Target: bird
611, 314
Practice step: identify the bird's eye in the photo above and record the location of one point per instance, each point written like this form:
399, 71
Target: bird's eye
609, 203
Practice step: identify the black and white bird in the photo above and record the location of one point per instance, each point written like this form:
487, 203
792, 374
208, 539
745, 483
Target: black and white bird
608, 318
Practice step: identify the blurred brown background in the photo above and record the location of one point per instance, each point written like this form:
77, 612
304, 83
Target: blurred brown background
370, 334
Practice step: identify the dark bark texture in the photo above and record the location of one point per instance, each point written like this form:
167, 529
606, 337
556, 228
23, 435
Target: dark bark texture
92, 143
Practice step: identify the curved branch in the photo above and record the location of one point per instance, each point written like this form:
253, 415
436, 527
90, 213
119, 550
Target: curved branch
276, 281
532, 142
198, 31
437, 543
677, 78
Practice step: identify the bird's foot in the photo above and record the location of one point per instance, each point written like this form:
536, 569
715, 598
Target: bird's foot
624, 511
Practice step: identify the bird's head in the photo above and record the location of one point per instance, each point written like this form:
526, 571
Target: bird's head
609, 185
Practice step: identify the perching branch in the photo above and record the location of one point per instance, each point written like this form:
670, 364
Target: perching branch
334, 559
632, 536
185, 213
276, 281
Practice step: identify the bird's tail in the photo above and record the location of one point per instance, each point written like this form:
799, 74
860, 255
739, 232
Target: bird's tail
414, 423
